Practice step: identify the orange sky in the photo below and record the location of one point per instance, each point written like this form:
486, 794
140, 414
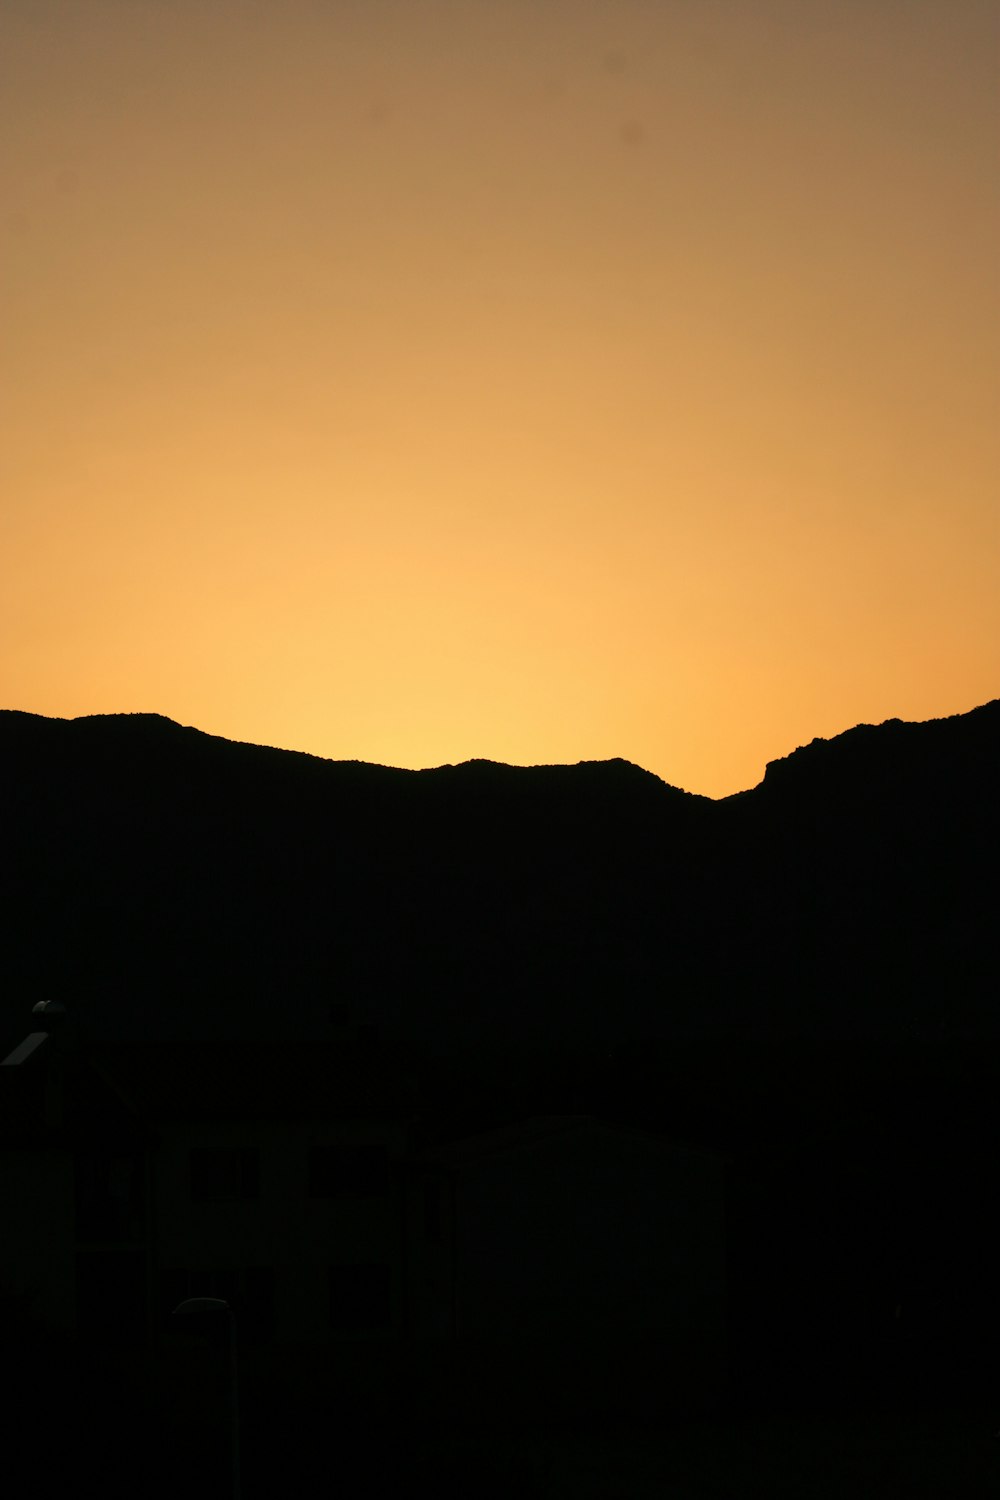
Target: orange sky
544, 380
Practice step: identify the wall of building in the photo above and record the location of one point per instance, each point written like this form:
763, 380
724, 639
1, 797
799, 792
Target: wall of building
37, 1266
323, 1252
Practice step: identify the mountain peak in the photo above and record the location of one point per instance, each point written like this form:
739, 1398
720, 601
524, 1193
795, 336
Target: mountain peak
877, 748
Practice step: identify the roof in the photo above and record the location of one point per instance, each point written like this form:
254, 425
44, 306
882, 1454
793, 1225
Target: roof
25, 1049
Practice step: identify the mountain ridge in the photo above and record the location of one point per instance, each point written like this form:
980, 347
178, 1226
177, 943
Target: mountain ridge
176, 879
848, 737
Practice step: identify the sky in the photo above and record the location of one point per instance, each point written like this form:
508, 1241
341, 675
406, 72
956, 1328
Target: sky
538, 380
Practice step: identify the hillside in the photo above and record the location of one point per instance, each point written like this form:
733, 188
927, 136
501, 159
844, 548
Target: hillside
167, 882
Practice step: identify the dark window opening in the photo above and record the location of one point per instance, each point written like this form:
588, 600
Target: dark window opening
360, 1298
224, 1174
110, 1195
348, 1171
432, 1210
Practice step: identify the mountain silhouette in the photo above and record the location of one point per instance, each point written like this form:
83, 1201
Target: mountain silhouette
166, 882
162, 878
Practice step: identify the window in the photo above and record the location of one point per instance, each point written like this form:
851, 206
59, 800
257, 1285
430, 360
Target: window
225, 1174
360, 1298
432, 1210
110, 1195
348, 1170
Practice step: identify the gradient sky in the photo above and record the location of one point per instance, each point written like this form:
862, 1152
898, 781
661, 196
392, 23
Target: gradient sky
543, 380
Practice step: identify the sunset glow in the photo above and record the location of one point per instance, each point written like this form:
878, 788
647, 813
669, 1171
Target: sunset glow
541, 380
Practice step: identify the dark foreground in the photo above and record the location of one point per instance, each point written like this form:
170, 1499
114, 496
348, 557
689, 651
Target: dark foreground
110, 1428
943, 1453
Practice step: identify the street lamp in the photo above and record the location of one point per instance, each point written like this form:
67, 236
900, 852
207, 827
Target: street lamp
193, 1306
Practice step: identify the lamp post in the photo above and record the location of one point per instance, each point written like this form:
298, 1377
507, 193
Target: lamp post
199, 1305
